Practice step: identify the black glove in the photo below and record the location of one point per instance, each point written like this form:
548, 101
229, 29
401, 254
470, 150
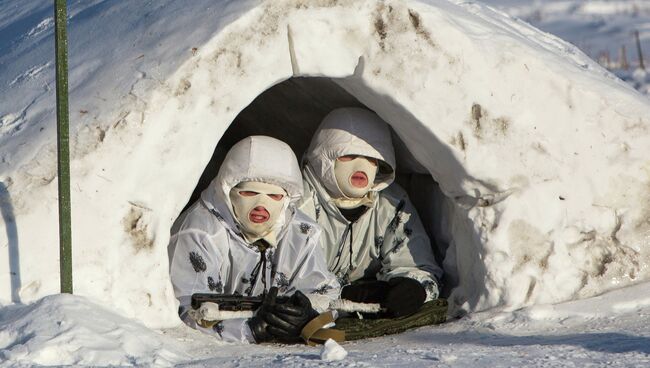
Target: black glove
365, 291
286, 320
404, 297
258, 324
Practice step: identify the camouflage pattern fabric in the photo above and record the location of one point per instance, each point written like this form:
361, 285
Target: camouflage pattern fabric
432, 313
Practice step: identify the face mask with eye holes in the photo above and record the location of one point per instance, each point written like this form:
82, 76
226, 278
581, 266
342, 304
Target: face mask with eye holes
257, 207
355, 175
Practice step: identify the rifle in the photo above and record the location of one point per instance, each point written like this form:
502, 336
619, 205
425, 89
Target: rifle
240, 303
228, 302
208, 309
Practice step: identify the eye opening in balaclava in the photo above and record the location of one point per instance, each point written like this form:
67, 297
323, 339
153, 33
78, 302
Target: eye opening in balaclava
258, 208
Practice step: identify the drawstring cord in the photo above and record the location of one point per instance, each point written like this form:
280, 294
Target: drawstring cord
341, 246
350, 268
261, 264
263, 255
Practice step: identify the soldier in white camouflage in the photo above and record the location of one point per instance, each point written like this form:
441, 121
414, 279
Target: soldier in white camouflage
245, 236
373, 238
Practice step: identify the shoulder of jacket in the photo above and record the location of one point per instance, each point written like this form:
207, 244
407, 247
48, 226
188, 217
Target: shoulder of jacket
308, 187
307, 190
393, 196
198, 219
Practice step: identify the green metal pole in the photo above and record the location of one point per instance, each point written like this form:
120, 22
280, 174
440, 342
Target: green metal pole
639, 50
63, 141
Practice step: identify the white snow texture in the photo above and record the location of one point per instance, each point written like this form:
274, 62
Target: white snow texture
70, 330
543, 156
332, 351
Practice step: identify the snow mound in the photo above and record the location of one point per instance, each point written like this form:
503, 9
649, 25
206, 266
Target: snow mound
621, 305
541, 156
599, 28
590, 332
71, 330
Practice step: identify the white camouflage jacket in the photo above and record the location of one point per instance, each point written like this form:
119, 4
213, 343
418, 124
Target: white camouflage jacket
208, 254
388, 240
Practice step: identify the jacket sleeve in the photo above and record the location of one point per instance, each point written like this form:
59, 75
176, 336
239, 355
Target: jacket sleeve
308, 205
194, 268
312, 276
405, 250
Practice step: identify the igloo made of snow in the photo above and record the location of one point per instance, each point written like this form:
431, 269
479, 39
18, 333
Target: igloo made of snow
529, 163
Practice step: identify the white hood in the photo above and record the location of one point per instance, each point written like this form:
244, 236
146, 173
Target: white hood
255, 158
351, 131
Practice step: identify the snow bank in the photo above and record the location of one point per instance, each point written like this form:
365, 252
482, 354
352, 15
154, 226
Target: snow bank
541, 155
609, 330
70, 330
599, 28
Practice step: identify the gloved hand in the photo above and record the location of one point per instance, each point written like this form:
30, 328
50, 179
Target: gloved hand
286, 320
258, 324
404, 296
365, 291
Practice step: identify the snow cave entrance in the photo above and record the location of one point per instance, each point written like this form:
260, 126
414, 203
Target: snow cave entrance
292, 110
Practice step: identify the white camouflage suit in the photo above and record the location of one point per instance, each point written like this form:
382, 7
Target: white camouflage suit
388, 240
209, 255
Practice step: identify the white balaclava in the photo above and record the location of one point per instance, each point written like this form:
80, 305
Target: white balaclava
263, 165
355, 178
352, 131
258, 207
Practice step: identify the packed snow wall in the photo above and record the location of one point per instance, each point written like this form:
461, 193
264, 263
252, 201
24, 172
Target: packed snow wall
542, 157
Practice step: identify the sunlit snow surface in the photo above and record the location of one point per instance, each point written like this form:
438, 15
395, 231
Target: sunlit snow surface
609, 330
596, 27
72, 330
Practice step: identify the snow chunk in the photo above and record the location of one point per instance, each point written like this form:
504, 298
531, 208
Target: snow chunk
70, 330
332, 351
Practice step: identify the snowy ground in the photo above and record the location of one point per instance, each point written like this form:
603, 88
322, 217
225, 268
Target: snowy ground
598, 27
610, 330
